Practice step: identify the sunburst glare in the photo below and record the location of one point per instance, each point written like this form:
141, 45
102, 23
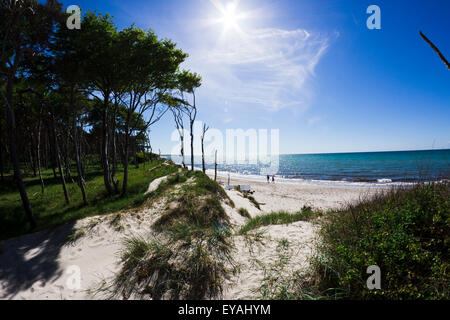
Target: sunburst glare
230, 15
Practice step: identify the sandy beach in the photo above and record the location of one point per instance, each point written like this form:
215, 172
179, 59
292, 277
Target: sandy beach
44, 265
257, 259
292, 197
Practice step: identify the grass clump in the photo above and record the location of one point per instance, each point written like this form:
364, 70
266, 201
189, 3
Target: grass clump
75, 236
404, 231
162, 271
115, 222
191, 256
280, 217
276, 284
244, 212
252, 200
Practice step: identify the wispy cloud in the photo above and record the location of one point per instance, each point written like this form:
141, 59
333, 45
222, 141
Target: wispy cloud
312, 121
267, 68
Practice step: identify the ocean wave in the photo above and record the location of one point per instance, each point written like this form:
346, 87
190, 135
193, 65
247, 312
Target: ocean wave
315, 182
384, 180
296, 179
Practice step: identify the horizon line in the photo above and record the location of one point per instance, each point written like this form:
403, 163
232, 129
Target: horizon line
341, 152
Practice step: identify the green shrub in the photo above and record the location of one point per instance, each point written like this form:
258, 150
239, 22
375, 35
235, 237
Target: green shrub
404, 231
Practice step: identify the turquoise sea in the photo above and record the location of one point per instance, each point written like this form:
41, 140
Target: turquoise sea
367, 167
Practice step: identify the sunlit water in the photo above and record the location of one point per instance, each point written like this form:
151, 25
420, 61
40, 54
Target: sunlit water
357, 169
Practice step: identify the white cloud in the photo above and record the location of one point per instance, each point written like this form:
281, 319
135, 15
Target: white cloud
312, 121
267, 68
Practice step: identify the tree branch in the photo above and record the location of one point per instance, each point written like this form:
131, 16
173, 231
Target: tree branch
435, 49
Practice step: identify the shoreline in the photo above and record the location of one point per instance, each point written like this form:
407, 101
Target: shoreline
380, 184
308, 182
291, 197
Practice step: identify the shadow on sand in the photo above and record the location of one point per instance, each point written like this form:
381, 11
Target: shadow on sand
31, 260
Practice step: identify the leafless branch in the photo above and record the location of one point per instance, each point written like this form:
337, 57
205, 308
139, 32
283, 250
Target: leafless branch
435, 49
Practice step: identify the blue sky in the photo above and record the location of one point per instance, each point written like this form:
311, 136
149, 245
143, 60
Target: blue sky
311, 69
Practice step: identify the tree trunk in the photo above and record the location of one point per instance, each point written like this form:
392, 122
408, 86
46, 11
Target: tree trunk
1, 163
1, 154
205, 129
215, 168
203, 157
143, 152
136, 161
32, 162
53, 159
178, 116
105, 147
81, 182
83, 157
192, 120
46, 152
125, 162
38, 151
68, 160
192, 144
114, 149
11, 123
58, 159
183, 161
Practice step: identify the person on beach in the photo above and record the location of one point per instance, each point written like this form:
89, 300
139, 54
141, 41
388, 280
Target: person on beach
268, 179
273, 179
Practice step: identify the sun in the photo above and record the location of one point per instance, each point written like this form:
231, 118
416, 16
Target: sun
230, 16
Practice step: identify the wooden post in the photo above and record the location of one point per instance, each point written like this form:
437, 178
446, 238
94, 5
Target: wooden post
215, 168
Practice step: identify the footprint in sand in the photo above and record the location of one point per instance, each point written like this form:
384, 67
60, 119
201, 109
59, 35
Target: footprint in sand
97, 243
25, 296
38, 285
58, 288
75, 254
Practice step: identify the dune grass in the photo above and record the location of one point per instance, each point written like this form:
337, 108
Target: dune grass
404, 231
252, 200
280, 217
244, 212
190, 255
50, 208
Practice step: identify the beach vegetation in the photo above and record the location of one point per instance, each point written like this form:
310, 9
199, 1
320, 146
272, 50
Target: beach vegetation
279, 217
190, 255
75, 236
250, 198
404, 231
51, 209
244, 212
280, 281
85, 103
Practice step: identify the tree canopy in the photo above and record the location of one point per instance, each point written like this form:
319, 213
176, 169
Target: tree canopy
72, 95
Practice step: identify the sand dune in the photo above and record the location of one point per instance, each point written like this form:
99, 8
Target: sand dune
45, 265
